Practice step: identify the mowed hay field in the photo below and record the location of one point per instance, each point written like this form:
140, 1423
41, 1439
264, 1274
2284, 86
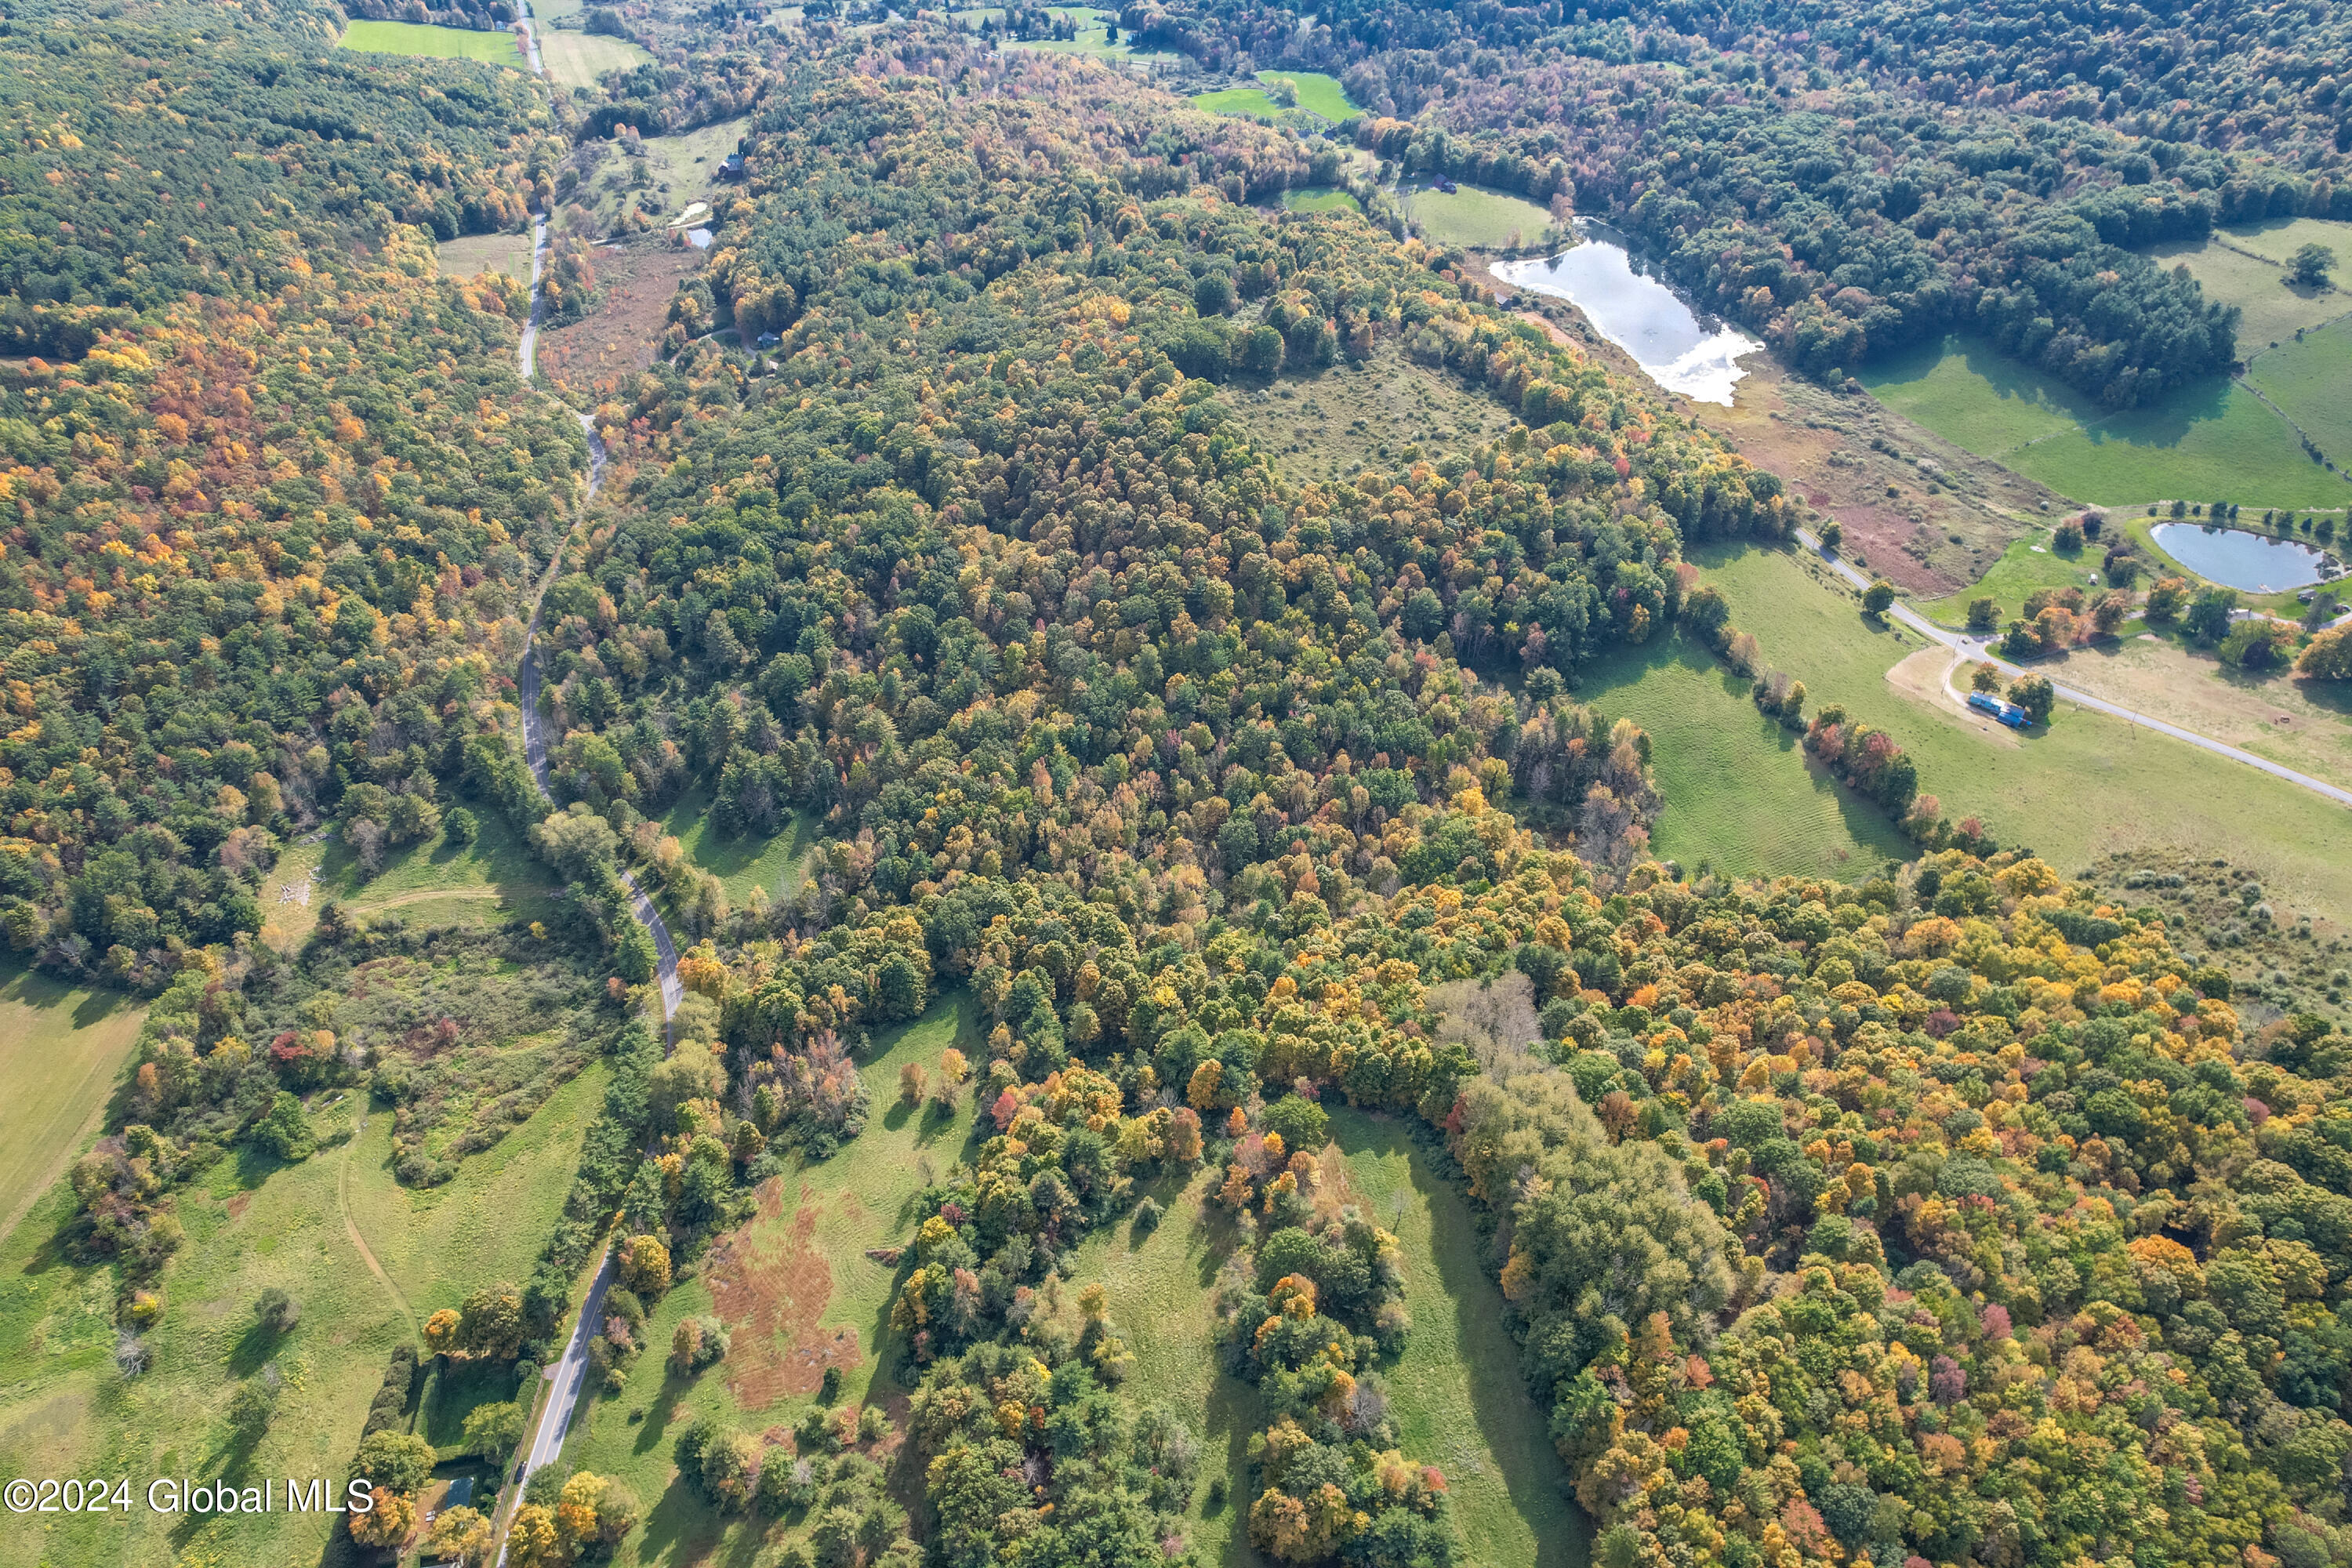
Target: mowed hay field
310, 1229
1456, 1393
1476, 219
439, 42
488, 882
1250, 101
62, 1049
778, 862
577, 59
2089, 785
1162, 1289
1317, 93
798, 1293
1319, 199
2246, 269
2311, 382
1741, 795
2215, 442
2028, 563
479, 253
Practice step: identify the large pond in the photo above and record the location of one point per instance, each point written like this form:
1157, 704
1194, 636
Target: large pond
1636, 311
2254, 563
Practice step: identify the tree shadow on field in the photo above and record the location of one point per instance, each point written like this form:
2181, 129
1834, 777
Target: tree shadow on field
1509, 1424
661, 1412
2164, 424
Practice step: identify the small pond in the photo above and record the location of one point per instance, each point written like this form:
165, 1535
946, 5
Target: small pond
1636, 311
2252, 562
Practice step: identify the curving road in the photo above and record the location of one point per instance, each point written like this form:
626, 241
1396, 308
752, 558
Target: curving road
570, 1374
1980, 648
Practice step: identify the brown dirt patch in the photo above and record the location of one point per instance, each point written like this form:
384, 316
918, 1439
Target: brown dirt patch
598, 356
1922, 677
1951, 515
1841, 452
770, 1285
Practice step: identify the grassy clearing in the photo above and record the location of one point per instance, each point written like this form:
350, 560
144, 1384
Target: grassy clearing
2280, 239
675, 172
62, 1048
477, 253
779, 864
1328, 426
1741, 795
1456, 1393
252, 1223
1319, 199
829, 1303
1094, 34
1317, 93
437, 43
1160, 1291
2213, 442
1476, 219
2026, 565
2311, 382
1250, 101
2089, 785
577, 59
489, 881
2305, 724
2270, 308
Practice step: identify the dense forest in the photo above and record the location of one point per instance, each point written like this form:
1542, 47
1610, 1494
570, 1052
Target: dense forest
1847, 180
1952, 1216
276, 492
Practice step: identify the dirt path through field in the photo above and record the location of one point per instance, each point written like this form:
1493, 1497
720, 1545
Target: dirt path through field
359, 1242
1928, 676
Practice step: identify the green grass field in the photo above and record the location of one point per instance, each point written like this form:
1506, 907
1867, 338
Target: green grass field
439, 42
678, 171
1456, 1392
491, 880
577, 59
252, 1223
1319, 199
2027, 565
1251, 102
2270, 310
1094, 34
851, 1202
2089, 785
2311, 382
1160, 1291
1740, 793
2215, 442
477, 253
62, 1049
778, 864
1317, 93
1477, 219
2279, 237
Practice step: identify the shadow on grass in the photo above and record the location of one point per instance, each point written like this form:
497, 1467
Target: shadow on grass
682, 1527
659, 1413
1508, 1422
1234, 1415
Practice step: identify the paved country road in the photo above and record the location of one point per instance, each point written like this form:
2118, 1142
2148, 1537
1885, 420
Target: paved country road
1980, 648
570, 1374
